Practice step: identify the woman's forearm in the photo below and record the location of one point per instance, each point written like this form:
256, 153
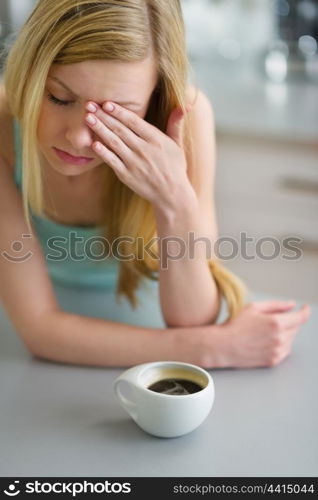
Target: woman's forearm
73, 339
188, 293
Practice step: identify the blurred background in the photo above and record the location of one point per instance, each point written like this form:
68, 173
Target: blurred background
257, 61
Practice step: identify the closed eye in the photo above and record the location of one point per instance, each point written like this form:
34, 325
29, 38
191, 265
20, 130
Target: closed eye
60, 102
57, 101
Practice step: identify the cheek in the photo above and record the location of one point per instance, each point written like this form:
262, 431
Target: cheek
47, 124
142, 113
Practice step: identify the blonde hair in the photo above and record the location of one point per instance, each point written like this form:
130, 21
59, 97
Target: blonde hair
73, 31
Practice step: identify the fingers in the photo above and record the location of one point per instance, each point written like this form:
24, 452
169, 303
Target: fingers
292, 319
285, 337
281, 357
286, 348
272, 306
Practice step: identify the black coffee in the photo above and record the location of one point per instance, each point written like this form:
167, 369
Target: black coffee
175, 386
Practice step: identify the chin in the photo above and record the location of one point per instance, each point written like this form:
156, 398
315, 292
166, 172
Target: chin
72, 170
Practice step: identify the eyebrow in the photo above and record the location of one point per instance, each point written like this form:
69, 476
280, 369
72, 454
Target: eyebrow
75, 95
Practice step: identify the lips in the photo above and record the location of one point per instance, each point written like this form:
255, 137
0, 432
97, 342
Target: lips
72, 156
73, 160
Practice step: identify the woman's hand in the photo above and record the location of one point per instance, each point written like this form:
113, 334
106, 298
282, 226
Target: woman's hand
148, 161
261, 335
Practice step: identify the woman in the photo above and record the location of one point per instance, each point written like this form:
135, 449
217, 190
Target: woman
115, 144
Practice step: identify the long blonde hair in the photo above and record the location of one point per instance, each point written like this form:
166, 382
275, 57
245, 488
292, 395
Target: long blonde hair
73, 31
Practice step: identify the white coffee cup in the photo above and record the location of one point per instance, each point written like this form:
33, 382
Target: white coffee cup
164, 414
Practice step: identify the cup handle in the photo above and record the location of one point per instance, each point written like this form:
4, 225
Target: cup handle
128, 405
131, 377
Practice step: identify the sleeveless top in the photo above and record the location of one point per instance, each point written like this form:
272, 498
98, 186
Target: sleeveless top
75, 255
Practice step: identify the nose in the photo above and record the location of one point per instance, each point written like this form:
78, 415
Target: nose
80, 137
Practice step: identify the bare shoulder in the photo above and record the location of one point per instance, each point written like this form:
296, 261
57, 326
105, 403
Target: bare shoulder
6, 139
201, 119
199, 101
201, 153
201, 116
192, 94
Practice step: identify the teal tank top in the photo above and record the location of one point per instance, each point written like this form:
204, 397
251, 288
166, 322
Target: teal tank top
75, 255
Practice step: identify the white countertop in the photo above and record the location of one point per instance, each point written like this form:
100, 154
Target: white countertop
63, 420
